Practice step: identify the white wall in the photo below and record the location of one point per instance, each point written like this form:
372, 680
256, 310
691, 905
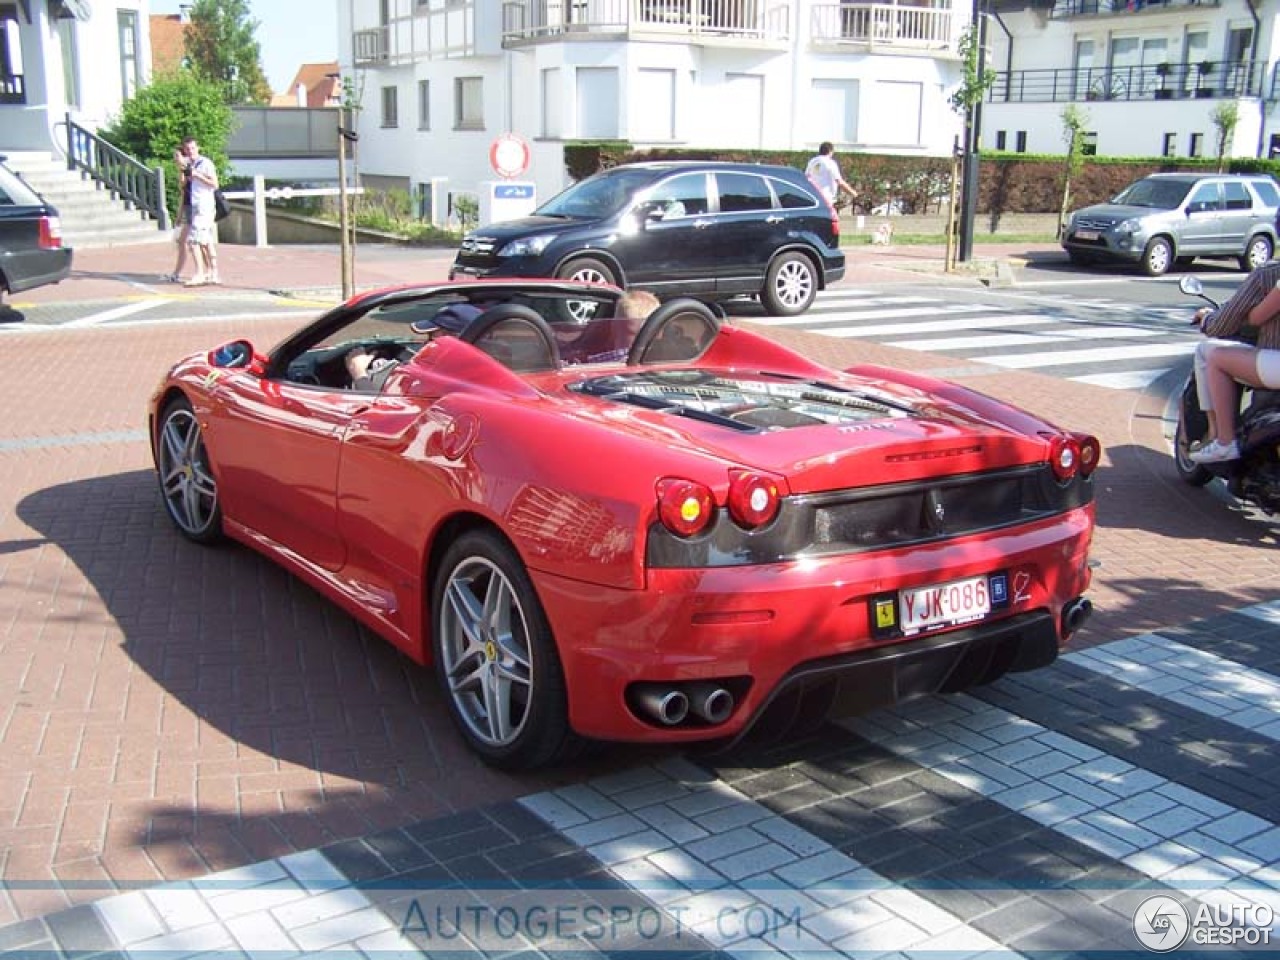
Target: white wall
31, 126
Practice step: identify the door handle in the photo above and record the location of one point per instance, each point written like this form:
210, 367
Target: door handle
701, 224
774, 219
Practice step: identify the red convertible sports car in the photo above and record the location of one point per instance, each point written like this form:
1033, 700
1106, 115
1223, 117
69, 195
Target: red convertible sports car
685, 533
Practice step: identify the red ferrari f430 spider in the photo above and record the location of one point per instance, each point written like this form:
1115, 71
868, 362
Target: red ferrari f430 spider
684, 532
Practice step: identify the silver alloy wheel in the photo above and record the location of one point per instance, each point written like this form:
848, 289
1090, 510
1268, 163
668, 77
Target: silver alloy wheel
588, 274
190, 492
487, 659
1259, 252
1159, 257
793, 285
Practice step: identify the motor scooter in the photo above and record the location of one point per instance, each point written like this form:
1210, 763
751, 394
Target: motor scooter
1255, 477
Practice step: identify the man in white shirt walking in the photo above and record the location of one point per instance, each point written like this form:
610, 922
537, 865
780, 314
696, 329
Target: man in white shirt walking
825, 174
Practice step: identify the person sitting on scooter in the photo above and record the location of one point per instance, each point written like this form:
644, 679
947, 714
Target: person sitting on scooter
1220, 361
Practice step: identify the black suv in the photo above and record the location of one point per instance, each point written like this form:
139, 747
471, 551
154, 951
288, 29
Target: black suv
708, 230
31, 250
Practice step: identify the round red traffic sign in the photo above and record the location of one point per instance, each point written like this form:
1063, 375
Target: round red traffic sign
509, 155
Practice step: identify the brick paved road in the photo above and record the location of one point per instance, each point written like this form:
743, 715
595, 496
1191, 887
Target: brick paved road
167, 712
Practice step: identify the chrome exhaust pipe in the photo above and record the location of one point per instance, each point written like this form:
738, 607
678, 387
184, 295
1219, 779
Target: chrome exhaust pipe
666, 705
1074, 614
710, 703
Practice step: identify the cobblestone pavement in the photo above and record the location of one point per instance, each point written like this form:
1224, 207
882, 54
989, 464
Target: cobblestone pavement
197, 751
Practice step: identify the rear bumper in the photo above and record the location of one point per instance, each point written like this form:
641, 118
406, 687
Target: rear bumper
36, 268
762, 630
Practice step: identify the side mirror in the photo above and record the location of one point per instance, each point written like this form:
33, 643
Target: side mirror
1191, 286
237, 353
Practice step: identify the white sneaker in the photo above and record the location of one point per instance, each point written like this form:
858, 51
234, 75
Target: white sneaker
1215, 452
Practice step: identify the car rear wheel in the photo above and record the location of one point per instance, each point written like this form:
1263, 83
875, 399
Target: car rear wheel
1257, 253
1190, 471
495, 657
186, 479
790, 285
1157, 258
585, 270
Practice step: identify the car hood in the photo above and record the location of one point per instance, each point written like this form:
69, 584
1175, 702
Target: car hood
496, 233
818, 435
1115, 212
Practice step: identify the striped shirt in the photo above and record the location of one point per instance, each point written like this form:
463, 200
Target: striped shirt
1233, 316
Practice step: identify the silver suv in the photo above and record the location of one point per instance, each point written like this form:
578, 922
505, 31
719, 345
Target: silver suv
1169, 218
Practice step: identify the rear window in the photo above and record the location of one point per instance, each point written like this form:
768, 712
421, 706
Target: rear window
792, 197
13, 192
1237, 196
1267, 192
743, 191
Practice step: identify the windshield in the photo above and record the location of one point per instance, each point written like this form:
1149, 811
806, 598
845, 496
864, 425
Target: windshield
1160, 194
598, 196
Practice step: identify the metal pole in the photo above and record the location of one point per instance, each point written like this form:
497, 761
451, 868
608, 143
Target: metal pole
345, 242
972, 142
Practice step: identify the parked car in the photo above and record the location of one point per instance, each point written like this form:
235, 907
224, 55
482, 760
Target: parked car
1169, 218
710, 536
708, 230
31, 250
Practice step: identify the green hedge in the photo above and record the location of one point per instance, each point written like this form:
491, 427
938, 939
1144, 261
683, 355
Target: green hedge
1007, 182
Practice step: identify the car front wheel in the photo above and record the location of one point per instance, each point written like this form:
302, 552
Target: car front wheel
790, 285
1157, 258
584, 270
495, 657
186, 478
1257, 253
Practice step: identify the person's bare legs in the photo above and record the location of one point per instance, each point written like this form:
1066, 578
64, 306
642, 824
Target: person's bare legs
211, 257
1227, 364
184, 235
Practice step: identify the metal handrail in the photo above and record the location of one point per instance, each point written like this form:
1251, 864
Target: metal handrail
137, 184
1172, 81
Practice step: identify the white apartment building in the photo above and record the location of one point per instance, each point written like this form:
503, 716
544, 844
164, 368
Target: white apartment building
67, 56
439, 80
1147, 75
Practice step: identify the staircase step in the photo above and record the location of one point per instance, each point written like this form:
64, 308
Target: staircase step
91, 215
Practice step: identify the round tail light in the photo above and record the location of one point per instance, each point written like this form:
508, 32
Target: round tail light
684, 507
1064, 456
1090, 453
753, 499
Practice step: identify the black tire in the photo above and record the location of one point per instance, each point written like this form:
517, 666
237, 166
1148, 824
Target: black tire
187, 484
790, 285
1157, 258
481, 637
1256, 253
1190, 472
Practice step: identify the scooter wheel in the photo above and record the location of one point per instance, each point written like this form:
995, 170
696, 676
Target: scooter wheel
1191, 472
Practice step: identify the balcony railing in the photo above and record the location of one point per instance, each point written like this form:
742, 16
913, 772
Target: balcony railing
751, 20
1174, 81
13, 89
888, 24
413, 30
1063, 9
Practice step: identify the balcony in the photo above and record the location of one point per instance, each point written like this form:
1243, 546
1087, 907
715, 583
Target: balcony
903, 25
1174, 81
12, 89
755, 22
417, 31
1067, 9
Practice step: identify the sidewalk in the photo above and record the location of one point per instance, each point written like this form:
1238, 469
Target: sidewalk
126, 272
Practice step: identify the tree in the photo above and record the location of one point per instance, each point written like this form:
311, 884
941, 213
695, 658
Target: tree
975, 81
1074, 121
222, 50
162, 114
1225, 117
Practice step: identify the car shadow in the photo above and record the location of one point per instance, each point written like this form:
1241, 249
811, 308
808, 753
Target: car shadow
9, 314
296, 725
